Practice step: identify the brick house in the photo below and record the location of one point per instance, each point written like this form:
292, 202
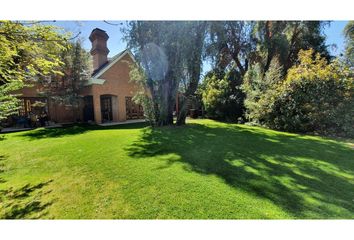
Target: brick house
106, 97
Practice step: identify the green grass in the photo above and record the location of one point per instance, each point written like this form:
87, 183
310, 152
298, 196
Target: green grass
206, 169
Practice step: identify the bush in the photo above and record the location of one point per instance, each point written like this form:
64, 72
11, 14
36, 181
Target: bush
315, 97
222, 96
260, 90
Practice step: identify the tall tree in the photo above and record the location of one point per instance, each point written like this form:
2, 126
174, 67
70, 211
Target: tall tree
192, 60
284, 40
165, 54
28, 52
230, 45
243, 43
229, 42
240, 45
65, 88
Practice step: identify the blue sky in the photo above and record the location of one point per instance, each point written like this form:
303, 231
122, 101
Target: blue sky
334, 34
115, 42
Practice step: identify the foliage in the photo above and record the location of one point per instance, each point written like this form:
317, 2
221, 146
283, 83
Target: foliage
171, 53
250, 48
222, 97
243, 43
260, 89
142, 97
28, 52
284, 40
194, 41
76, 71
164, 52
349, 48
230, 43
158, 50
316, 97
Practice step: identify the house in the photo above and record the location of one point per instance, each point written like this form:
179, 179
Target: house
106, 97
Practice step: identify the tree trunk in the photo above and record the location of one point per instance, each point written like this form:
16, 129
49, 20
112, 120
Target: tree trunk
194, 68
183, 111
167, 100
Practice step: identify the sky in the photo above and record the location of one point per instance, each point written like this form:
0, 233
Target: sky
333, 32
115, 43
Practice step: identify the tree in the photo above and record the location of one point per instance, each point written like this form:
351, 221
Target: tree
260, 90
166, 57
252, 46
28, 52
76, 70
192, 62
230, 43
277, 46
157, 49
349, 47
242, 44
315, 97
284, 39
223, 98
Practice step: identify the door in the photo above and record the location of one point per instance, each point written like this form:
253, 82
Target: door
106, 108
88, 108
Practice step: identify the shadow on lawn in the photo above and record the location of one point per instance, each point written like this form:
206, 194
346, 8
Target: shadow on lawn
23, 202
75, 130
307, 177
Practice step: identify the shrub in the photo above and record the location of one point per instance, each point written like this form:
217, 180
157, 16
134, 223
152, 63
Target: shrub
316, 96
222, 96
260, 90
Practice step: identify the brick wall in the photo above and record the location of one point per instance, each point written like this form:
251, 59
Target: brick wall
117, 84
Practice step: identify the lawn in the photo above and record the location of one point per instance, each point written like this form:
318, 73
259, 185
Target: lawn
204, 170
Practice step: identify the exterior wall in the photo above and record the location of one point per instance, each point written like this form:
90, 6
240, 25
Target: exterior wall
117, 83
56, 112
29, 91
64, 114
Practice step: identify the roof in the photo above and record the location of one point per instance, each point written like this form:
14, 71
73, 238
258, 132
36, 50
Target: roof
98, 29
98, 72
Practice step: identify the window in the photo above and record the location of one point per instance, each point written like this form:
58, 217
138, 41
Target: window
22, 109
28, 105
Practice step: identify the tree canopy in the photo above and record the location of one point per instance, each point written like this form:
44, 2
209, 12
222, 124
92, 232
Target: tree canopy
28, 52
349, 47
76, 70
170, 53
274, 73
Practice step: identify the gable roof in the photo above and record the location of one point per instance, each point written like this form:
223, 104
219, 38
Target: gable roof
98, 72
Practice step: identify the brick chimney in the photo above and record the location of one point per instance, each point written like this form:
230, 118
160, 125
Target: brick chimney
99, 50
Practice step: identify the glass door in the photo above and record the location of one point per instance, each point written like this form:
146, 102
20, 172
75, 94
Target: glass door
106, 108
